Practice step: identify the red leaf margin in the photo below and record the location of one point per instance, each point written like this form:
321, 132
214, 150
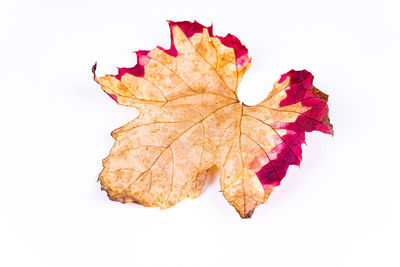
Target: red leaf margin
189, 29
288, 149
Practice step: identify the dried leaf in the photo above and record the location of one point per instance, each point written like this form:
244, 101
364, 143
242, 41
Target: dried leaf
191, 120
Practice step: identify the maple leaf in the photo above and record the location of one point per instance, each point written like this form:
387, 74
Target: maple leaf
191, 121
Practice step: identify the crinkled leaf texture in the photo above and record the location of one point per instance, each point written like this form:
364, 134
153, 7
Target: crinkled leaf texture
191, 121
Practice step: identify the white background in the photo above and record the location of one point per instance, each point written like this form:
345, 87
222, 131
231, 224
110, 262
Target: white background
341, 208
